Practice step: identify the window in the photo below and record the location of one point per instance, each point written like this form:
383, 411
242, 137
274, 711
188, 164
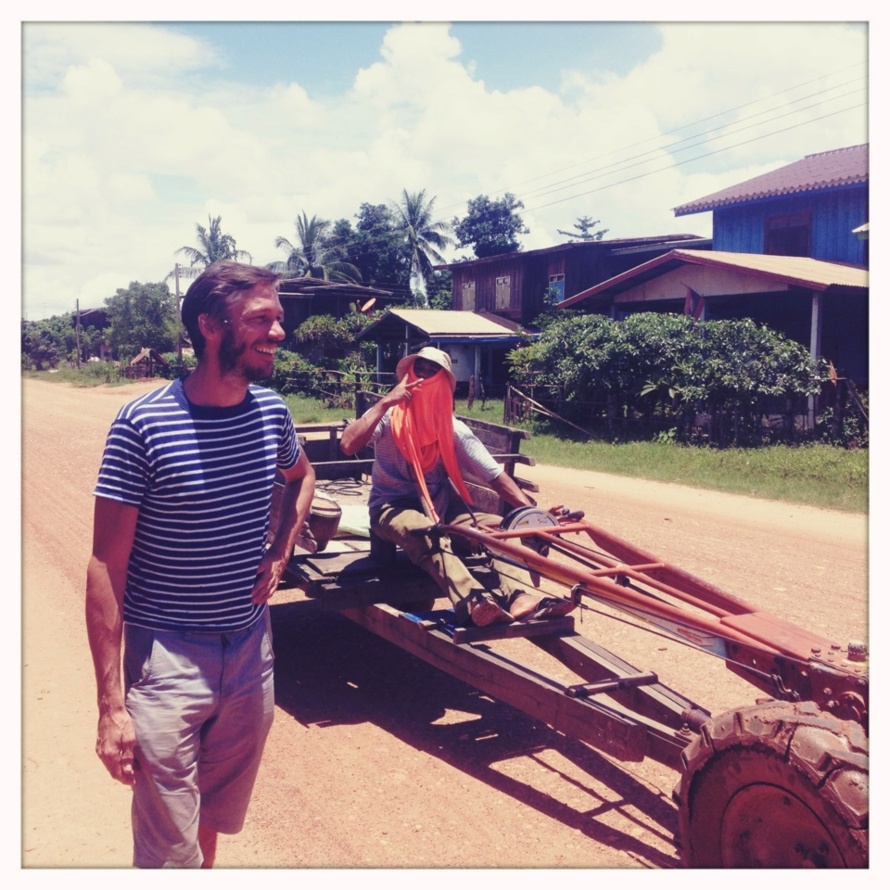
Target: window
788, 235
502, 292
468, 303
556, 290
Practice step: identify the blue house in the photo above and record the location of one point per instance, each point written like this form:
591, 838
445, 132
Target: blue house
810, 208
790, 250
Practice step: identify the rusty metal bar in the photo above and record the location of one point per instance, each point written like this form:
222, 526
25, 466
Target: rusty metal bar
690, 590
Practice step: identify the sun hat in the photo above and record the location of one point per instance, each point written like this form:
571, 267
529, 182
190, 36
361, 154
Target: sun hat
431, 354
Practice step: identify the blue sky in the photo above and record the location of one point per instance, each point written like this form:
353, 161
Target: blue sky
504, 55
134, 132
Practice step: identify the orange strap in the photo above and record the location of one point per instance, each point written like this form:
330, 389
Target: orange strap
423, 431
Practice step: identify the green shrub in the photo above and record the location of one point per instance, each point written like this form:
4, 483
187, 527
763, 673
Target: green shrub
656, 373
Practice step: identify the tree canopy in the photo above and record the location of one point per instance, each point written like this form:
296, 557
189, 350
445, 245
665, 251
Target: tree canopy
316, 253
213, 245
142, 315
377, 247
491, 227
583, 230
424, 236
48, 343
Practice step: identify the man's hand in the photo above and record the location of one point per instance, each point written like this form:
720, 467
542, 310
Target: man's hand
402, 391
115, 744
360, 432
268, 576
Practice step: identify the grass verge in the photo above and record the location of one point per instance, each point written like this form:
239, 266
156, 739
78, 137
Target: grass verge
814, 475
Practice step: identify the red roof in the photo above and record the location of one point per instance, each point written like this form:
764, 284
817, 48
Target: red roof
828, 169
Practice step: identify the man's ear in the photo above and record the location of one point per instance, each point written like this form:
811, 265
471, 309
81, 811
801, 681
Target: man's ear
209, 326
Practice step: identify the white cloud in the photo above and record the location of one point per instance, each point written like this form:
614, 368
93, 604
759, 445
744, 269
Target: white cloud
133, 134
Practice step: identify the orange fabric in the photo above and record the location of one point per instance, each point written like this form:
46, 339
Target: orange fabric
424, 433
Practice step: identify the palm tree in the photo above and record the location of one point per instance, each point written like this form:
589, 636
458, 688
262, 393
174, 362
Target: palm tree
314, 255
213, 245
424, 237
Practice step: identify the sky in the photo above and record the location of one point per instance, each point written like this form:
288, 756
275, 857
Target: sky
135, 132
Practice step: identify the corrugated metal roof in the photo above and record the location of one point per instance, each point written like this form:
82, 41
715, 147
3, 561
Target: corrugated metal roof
289, 287
613, 245
828, 169
799, 271
453, 323
455, 326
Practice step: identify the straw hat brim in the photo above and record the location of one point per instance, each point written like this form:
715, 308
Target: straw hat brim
406, 364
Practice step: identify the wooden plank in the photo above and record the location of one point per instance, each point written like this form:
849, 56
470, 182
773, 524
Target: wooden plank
342, 469
598, 723
495, 427
514, 458
549, 628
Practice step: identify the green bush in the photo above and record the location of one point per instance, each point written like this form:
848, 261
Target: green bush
654, 374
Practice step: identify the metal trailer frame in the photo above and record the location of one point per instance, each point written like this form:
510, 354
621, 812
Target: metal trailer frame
814, 725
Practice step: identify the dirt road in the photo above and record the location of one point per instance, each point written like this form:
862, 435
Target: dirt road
375, 759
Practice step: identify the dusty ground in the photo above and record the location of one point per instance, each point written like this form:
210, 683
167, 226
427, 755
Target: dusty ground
375, 759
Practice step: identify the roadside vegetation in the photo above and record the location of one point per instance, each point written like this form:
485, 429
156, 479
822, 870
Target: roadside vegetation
710, 404
813, 474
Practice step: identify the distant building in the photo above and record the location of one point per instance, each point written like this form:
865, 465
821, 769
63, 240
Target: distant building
304, 297
788, 251
476, 341
520, 286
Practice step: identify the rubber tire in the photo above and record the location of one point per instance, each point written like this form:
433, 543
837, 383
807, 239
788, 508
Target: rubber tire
775, 785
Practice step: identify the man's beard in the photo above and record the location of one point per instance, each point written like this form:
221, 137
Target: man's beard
230, 359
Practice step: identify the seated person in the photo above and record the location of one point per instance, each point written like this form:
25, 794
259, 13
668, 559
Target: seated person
421, 452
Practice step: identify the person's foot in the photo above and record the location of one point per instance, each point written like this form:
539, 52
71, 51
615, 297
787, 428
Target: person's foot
522, 605
552, 607
485, 611
527, 606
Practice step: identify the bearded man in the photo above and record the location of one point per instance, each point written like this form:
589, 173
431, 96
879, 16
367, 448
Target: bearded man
183, 566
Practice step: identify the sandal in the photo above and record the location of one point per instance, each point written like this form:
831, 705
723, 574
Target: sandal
552, 607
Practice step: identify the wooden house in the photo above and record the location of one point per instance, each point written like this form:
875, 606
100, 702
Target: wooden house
810, 208
520, 286
304, 297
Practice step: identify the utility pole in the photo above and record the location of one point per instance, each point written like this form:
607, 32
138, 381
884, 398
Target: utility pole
77, 330
179, 312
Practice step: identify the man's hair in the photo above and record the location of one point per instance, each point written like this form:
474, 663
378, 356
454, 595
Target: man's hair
214, 290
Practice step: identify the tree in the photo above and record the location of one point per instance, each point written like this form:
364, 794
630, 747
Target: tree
213, 245
143, 315
316, 253
378, 248
583, 231
424, 237
660, 364
48, 343
491, 227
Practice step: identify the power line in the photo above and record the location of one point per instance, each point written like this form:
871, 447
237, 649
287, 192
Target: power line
730, 129
696, 158
712, 134
700, 121
708, 138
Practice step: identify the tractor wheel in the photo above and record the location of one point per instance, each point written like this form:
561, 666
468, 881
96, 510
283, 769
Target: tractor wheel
775, 785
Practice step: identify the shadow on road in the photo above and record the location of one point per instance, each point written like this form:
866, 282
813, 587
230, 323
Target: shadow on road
330, 671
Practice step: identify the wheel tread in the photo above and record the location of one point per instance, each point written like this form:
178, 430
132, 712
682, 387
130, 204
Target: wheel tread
825, 758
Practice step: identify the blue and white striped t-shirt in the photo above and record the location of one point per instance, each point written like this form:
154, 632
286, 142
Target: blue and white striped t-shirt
202, 479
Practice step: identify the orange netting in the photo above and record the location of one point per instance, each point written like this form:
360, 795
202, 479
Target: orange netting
424, 432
